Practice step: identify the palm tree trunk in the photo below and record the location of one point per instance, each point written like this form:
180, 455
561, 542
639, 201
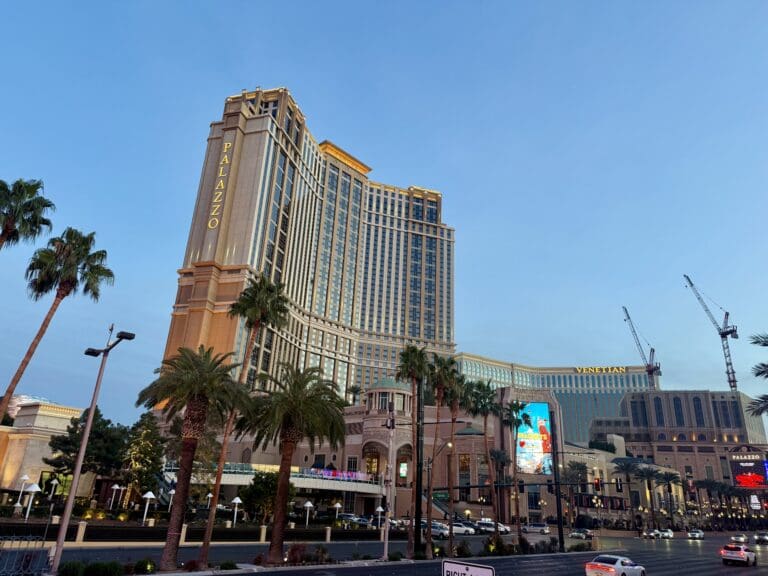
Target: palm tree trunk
275, 554
409, 551
432, 479
651, 496
203, 558
491, 477
516, 488
30, 352
451, 472
183, 478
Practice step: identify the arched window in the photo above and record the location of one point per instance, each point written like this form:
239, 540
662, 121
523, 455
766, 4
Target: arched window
657, 407
702, 437
678, 405
682, 437
662, 436
698, 411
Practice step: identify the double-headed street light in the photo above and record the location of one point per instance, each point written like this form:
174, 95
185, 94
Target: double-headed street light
67, 514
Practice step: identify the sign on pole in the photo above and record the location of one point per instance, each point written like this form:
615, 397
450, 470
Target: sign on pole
454, 568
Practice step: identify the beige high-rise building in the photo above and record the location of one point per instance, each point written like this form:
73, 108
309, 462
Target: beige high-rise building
368, 267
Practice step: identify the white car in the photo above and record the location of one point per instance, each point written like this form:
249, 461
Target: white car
667, 534
439, 530
740, 538
695, 535
738, 553
652, 534
461, 529
538, 528
488, 527
606, 564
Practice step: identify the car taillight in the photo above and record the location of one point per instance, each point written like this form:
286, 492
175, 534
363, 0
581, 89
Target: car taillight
741, 554
593, 566
722, 551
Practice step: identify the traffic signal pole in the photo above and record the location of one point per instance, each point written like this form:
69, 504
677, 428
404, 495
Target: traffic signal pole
556, 473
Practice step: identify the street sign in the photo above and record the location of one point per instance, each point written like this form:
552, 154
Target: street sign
453, 568
754, 502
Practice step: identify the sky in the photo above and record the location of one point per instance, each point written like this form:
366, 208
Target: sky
589, 154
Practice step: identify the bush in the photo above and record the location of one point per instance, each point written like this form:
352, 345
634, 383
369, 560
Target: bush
463, 550
259, 560
103, 569
322, 555
296, 553
395, 556
71, 569
129, 568
228, 565
145, 566
191, 566
497, 547
525, 546
580, 547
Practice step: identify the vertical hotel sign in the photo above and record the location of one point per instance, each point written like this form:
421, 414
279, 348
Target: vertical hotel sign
220, 188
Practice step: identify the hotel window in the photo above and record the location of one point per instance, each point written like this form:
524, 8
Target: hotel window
736, 414
698, 411
716, 413
678, 406
724, 468
659, 411
725, 414
352, 463
709, 472
383, 400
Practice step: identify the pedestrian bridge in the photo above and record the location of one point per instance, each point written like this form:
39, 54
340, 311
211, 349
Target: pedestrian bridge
236, 474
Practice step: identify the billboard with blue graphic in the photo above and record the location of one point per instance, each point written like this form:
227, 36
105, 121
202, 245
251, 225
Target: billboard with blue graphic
534, 442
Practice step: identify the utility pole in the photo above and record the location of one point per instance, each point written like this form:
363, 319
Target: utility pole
390, 480
556, 473
419, 456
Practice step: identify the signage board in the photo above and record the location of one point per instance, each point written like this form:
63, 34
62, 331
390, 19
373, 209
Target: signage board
749, 474
534, 442
403, 470
455, 568
754, 502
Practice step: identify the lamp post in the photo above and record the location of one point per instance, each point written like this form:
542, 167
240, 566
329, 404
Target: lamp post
21, 490
209, 496
379, 510
481, 499
120, 496
94, 352
115, 488
337, 506
171, 492
308, 506
147, 497
236, 500
54, 484
32, 489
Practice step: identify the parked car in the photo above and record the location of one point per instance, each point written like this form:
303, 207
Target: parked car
581, 534
667, 534
740, 538
695, 534
439, 530
488, 527
738, 553
652, 534
460, 528
539, 528
761, 538
609, 564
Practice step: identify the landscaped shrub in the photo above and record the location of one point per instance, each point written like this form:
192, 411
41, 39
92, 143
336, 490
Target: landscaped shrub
129, 568
497, 547
145, 566
580, 547
71, 569
228, 565
103, 569
395, 556
296, 553
322, 555
463, 550
438, 552
191, 566
259, 560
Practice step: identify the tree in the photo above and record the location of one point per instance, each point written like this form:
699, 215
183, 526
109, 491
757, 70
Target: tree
759, 406
457, 396
484, 402
259, 496
514, 417
67, 264
261, 303
23, 211
627, 469
649, 475
104, 453
413, 367
708, 485
667, 480
198, 383
143, 461
296, 406
207, 452
574, 475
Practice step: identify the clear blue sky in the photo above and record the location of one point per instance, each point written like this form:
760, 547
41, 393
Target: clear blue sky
589, 154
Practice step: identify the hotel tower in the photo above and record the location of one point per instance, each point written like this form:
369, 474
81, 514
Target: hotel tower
367, 267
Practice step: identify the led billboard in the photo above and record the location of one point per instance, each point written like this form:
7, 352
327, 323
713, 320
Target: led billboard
749, 474
534, 442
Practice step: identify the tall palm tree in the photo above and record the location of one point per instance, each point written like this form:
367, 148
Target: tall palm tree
22, 211
649, 475
199, 383
667, 480
759, 405
708, 486
441, 370
297, 405
68, 263
484, 402
515, 417
261, 303
413, 367
457, 396
627, 469
574, 475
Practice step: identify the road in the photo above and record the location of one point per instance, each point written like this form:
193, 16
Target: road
677, 557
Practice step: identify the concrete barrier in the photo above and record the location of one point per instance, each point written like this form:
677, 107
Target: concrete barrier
80, 531
262, 533
327, 533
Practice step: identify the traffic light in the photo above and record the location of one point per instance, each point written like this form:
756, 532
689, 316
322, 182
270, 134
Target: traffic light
619, 485
520, 487
583, 487
598, 485
550, 487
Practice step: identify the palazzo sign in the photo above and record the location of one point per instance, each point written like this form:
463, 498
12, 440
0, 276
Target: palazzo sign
217, 202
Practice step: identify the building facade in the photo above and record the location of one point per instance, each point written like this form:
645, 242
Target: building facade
586, 392
367, 267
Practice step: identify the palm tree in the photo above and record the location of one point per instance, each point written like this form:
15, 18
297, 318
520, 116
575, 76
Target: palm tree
484, 402
261, 303
667, 480
67, 264
354, 392
296, 406
759, 406
457, 396
413, 367
627, 469
649, 475
441, 371
22, 211
574, 474
514, 417
199, 383
708, 486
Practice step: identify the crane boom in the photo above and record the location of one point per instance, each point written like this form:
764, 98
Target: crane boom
652, 367
723, 331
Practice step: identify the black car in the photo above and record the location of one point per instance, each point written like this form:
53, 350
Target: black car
761, 538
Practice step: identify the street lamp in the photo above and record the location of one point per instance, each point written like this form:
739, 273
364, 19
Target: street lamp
337, 506
236, 500
148, 496
54, 484
21, 490
379, 510
308, 506
120, 495
482, 502
209, 496
104, 353
32, 489
171, 492
115, 488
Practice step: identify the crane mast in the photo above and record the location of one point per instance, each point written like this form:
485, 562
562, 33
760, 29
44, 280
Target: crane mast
652, 368
723, 331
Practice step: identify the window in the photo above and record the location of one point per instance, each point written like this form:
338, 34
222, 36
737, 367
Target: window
662, 436
678, 406
702, 438
681, 437
709, 472
724, 468
659, 411
383, 401
698, 411
736, 413
352, 463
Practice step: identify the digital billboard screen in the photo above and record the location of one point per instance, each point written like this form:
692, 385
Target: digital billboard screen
749, 474
534, 442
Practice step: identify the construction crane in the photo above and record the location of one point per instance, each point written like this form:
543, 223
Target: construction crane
724, 331
652, 368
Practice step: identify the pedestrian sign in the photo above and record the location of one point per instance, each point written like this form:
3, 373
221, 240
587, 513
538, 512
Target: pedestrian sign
454, 568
